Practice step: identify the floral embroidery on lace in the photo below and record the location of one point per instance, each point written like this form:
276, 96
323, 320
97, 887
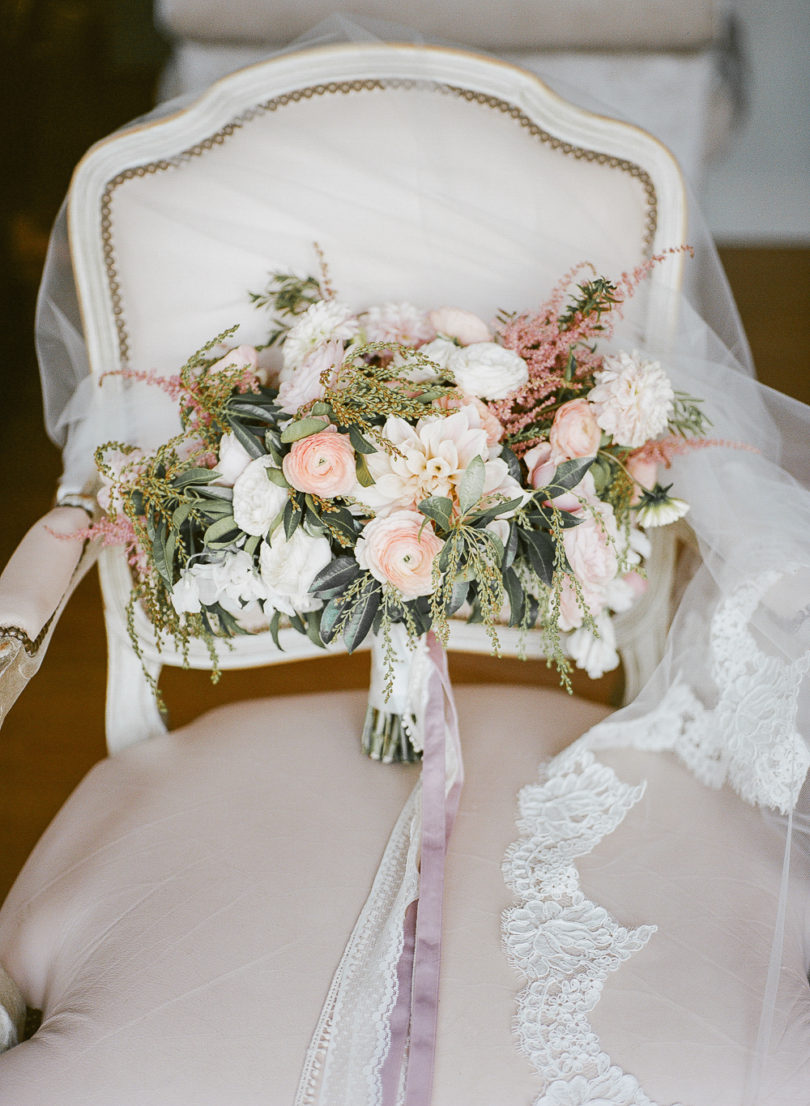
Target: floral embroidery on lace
349, 1046
748, 738
564, 945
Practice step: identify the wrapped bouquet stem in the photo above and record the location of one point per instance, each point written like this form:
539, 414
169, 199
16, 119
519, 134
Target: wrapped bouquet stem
394, 723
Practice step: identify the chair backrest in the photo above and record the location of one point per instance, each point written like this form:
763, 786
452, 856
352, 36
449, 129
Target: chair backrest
407, 165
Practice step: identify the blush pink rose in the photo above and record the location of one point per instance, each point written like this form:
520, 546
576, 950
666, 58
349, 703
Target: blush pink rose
571, 614
244, 357
398, 549
465, 327
323, 464
591, 549
645, 474
575, 431
540, 465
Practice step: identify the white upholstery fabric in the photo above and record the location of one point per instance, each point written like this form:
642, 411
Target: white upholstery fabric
180, 920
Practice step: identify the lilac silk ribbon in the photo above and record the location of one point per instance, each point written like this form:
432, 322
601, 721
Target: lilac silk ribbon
415, 1014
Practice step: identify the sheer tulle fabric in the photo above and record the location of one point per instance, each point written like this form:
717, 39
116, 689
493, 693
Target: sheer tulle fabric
729, 698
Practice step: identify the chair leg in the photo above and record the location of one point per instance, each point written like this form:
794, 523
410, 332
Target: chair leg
132, 712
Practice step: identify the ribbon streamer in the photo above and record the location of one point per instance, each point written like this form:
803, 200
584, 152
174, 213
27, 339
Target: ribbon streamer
415, 1015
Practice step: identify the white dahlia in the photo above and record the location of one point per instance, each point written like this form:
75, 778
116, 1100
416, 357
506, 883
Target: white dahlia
323, 322
633, 398
431, 459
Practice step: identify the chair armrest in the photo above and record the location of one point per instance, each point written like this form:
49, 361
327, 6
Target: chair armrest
35, 585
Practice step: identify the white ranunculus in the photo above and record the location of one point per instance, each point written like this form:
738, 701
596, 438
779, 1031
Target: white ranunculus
632, 398
487, 370
440, 351
288, 568
233, 460
597, 655
256, 499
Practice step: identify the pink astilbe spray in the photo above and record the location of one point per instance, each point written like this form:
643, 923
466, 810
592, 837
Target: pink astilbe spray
546, 339
663, 451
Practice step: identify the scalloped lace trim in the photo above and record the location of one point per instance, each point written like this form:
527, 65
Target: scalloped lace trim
347, 1052
564, 945
748, 738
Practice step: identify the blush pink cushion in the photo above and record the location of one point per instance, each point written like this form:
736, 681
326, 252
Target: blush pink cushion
180, 921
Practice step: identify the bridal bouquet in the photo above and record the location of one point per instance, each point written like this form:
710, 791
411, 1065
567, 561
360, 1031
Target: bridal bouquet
401, 468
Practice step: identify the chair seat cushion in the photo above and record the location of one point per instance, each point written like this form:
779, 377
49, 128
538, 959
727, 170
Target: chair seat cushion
180, 921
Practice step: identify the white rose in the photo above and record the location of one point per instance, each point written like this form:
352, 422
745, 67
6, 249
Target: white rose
256, 499
487, 370
288, 568
233, 460
440, 351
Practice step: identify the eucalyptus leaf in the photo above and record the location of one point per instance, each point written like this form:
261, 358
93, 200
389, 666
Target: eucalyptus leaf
246, 439
313, 629
273, 627
569, 474
438, 508
497, 511
540, 549
219, 529
276, 476
458, 596
215, 491
513, 464
329, 618
361, 618
471, 485
515, 594
301, 428
359, 442
364, 477
339, 573
194, 476
180, 515
511, 546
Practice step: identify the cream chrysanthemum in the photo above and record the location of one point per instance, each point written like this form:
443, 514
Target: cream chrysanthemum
323, 322
401, 323
633, 398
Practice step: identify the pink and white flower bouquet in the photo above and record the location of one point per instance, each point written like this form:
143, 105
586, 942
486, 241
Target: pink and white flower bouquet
403, 468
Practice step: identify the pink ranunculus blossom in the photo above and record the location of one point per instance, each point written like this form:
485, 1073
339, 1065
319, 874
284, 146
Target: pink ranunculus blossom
645, 474
322, 464
399, 549
462, 325
575, 431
